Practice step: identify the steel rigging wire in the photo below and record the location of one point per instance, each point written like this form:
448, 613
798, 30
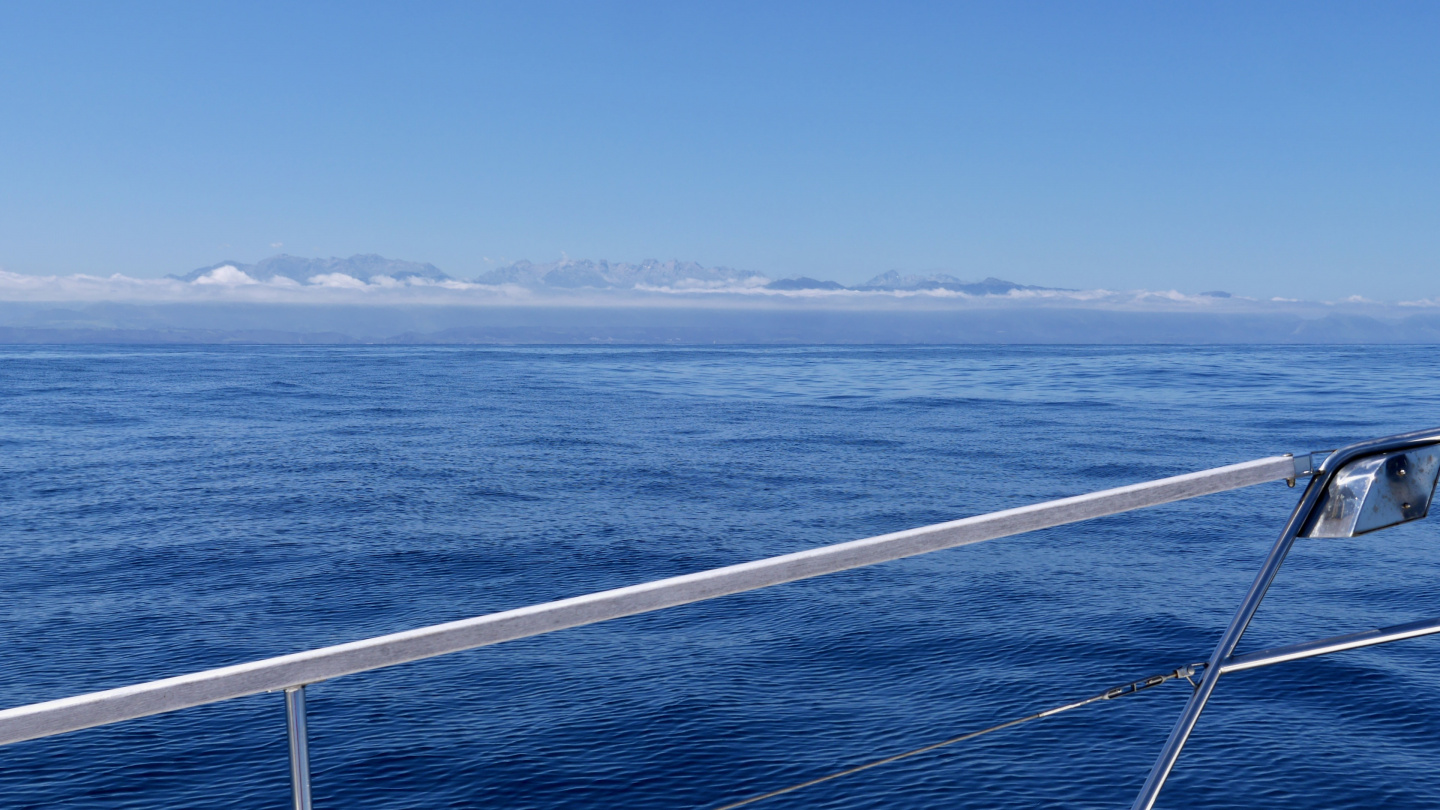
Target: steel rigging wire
1109, 694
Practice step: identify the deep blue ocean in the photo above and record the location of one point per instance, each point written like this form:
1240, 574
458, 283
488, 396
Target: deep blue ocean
164, 510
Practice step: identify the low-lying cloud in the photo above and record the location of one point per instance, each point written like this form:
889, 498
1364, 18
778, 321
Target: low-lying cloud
372, 299
580, 284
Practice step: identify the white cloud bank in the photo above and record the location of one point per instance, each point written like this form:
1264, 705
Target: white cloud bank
229, 284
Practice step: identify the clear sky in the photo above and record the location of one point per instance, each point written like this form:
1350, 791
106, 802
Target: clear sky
1288, 149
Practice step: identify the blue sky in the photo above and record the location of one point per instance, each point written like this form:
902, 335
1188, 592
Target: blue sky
1284, 149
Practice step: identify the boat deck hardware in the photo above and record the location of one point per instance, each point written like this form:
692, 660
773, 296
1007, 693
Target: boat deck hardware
1356, 489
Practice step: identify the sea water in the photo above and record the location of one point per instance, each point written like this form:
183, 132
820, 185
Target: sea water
165, 510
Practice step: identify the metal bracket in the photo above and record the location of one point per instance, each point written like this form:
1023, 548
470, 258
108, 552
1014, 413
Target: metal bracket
1307, 465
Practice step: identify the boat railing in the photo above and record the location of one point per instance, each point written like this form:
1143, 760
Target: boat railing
291, 673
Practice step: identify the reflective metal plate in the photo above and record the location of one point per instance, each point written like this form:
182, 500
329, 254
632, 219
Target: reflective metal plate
1377, 492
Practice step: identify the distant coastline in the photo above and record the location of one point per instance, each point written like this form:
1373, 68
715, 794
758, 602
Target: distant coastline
373, 299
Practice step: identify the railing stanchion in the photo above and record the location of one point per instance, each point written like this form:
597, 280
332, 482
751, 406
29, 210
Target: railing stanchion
299, 746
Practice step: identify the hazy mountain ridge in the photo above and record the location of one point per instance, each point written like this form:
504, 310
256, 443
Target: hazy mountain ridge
676, 275
573, 274
892, 280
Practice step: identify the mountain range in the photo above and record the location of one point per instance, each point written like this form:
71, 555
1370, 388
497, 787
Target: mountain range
577, 274
370, 298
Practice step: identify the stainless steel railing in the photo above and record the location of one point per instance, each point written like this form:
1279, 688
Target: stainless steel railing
290, 673
1360, 488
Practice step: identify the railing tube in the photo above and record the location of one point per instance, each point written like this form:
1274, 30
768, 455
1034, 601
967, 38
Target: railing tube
299, 746
273, 674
